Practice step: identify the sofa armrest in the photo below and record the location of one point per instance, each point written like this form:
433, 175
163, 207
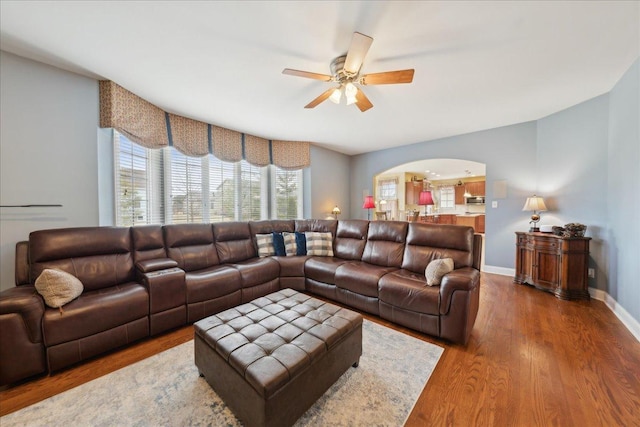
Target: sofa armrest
151, 265
167, 294
22, 351
28, 304
462, 279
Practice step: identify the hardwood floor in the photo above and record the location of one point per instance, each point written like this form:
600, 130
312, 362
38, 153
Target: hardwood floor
532, 360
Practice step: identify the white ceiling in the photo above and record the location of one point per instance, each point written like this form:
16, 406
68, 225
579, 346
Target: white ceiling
479, 65
441, 169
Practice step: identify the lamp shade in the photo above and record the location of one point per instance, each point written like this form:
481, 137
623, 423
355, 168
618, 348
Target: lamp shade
368, 203
535, 204
425, 198
336, 211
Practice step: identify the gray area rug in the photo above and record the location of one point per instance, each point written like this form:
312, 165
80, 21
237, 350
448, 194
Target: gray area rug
166, 390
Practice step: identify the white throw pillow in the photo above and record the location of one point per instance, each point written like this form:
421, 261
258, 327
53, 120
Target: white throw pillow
58, 287
265, 245
436, 269
319, 244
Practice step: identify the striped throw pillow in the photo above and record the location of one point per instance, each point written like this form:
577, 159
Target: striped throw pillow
319, 244
265, 245
290, 245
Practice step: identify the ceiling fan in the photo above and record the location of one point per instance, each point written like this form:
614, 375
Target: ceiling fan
345, 70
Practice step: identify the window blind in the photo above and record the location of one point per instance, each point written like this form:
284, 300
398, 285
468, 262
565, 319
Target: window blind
138, 183
166, 186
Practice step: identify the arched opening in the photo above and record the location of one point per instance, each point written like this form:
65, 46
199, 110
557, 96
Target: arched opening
456, 187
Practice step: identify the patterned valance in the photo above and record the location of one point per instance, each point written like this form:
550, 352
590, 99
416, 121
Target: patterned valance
151, 127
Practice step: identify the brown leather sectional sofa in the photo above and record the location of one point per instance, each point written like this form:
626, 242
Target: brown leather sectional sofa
142, 281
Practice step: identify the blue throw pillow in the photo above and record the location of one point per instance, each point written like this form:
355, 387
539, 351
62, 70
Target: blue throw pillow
301, 243
278, 244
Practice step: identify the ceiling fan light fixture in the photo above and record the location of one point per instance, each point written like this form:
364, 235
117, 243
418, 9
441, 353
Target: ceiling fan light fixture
350, 92
336, 96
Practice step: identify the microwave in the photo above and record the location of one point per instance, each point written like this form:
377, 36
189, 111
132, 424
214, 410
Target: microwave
474, 200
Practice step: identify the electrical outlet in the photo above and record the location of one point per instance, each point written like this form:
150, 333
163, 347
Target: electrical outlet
592, 273
494, 204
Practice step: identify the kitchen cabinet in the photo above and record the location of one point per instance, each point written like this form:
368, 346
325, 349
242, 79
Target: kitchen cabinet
412, 192
476, 188
554, 264
459, 195
480, 224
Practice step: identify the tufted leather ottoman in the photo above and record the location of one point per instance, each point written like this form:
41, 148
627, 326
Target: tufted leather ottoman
272, 358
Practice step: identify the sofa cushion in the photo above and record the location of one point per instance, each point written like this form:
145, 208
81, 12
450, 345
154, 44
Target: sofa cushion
234, 241
257, 271
212, 282
319, 244
351, 238
426, 242
94, 312
323, 269
58, 287
360, 277
385, 243
405, 289
436, 269
191, 245
265, 245
100, 257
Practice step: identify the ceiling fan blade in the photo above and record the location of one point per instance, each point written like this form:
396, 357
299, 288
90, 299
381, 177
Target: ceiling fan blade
307, 74
326, 94
362, 101
388, 77
357, 51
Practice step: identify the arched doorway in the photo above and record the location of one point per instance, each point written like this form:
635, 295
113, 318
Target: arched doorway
457, 190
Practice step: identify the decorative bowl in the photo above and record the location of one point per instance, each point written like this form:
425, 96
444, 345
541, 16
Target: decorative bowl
574, 229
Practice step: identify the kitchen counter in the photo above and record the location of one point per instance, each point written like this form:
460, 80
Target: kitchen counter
472, 220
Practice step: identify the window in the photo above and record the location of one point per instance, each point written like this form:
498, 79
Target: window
165, 186
388, 197
138, 188
287, 194
447, 197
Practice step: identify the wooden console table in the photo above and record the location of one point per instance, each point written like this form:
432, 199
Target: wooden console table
554, 264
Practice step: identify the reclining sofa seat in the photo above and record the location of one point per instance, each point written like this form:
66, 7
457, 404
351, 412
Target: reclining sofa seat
357, 281
236, 248
112, 311
448, 310
348, 244
209, 286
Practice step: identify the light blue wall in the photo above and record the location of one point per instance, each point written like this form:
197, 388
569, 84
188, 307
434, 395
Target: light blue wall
48, 152
509, 153
572, 174
327, 184
622, 193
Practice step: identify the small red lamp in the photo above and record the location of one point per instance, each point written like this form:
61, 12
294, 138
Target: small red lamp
368, 204
425, 199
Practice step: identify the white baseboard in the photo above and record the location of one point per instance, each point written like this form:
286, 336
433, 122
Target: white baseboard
627, 320
499, 270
